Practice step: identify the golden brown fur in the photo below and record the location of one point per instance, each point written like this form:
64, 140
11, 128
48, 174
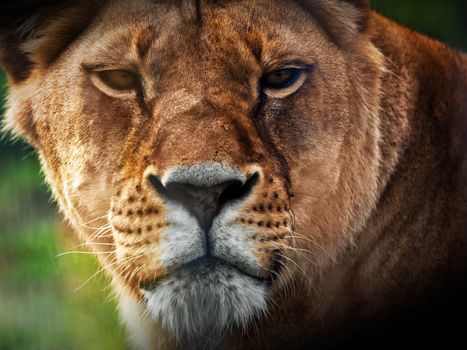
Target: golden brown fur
361, 193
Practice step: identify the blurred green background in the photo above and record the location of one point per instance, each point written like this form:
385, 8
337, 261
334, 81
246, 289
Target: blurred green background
41, 306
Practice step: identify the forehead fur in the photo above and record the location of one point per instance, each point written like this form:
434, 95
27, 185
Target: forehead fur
227, 27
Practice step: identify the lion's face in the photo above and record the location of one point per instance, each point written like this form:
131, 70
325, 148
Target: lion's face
216, 152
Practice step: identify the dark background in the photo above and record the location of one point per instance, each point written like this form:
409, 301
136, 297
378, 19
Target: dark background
47, 302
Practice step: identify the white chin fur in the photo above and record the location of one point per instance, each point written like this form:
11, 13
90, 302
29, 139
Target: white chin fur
206, 301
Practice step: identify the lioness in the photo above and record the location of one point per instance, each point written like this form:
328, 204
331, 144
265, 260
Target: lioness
253, 174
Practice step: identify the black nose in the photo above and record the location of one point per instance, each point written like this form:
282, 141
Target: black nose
204, 189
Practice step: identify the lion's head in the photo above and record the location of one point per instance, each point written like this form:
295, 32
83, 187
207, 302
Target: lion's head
223, 153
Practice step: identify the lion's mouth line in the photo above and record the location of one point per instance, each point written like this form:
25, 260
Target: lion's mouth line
200, 266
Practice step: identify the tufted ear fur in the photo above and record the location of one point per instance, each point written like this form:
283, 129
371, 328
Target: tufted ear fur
341, 19
33, 33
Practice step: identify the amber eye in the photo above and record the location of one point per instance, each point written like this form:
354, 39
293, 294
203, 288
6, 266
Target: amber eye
119, 79
281, 79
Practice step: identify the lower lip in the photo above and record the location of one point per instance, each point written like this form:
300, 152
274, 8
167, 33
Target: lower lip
200, 265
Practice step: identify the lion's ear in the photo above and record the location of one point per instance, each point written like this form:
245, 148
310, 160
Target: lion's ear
33, 33
341, 19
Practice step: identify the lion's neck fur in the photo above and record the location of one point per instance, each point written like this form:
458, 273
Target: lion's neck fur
423, 145
423, 194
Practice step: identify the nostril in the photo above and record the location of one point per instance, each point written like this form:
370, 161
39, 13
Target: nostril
158, 186
226, 192
238, 190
